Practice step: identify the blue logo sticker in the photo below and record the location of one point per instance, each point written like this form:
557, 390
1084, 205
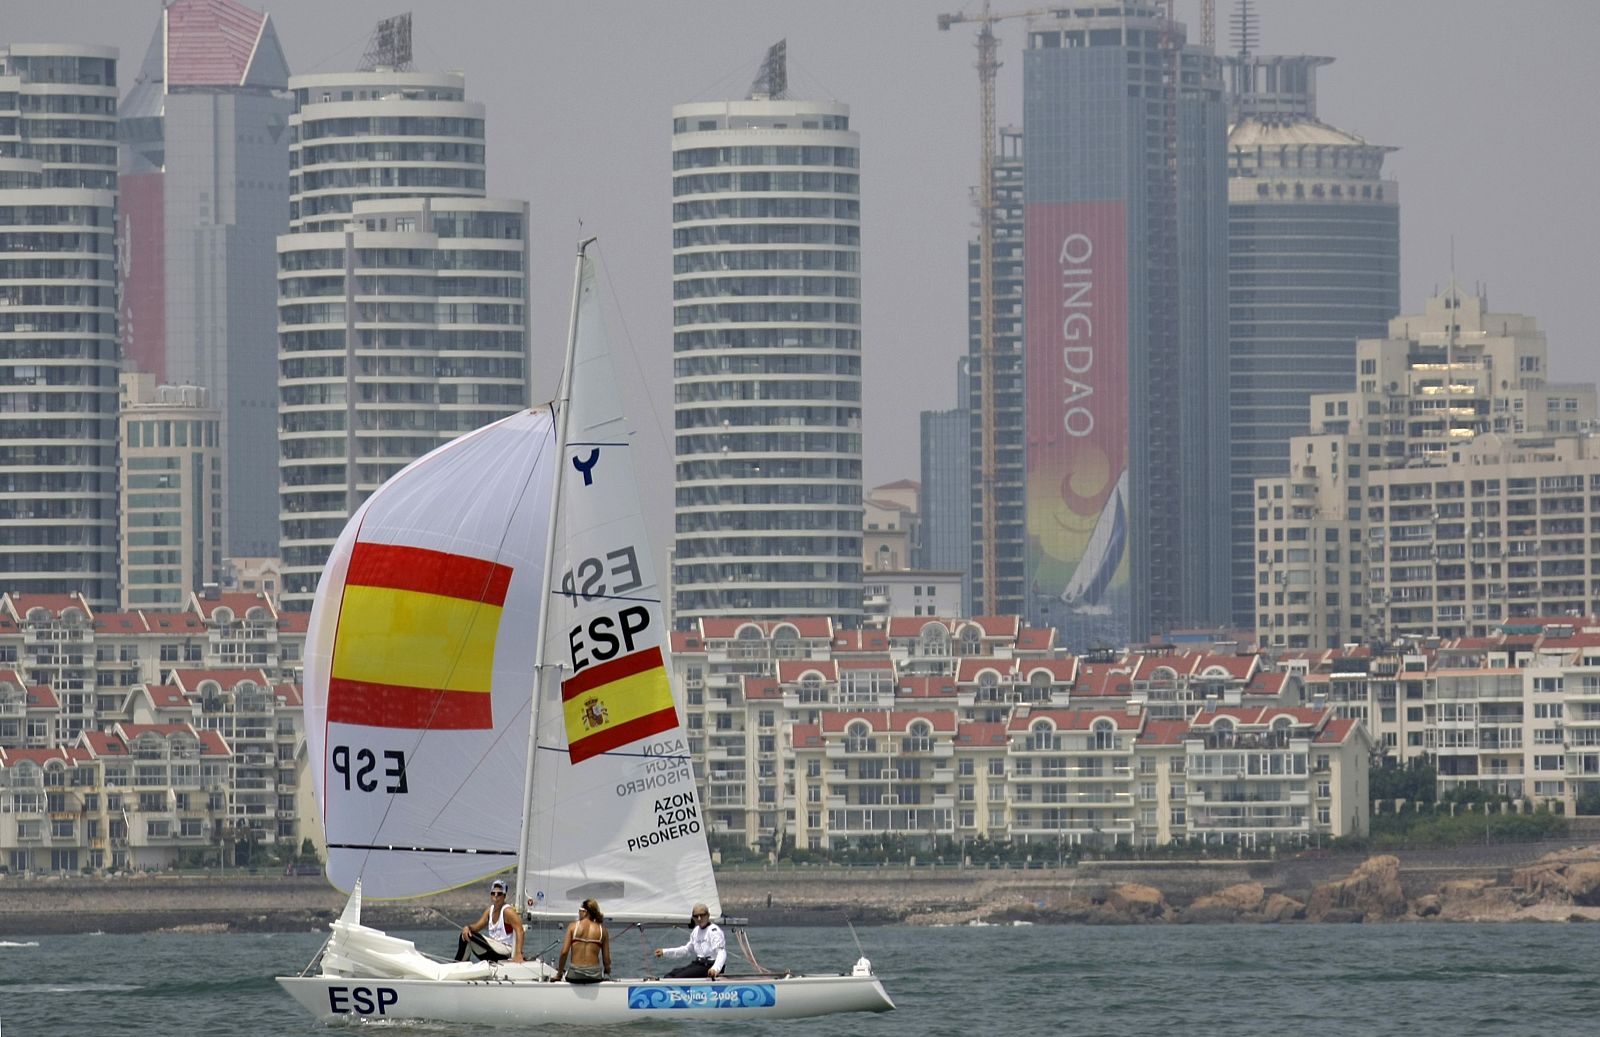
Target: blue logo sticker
720, 995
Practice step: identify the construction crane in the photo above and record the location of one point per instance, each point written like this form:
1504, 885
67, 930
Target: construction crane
987, 361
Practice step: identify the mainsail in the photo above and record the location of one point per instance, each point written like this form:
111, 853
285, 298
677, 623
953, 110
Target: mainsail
614, 812
419, 659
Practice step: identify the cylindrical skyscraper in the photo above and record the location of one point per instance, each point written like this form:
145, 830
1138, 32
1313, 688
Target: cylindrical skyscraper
58, 321
767, 356
1313, 266
402, 296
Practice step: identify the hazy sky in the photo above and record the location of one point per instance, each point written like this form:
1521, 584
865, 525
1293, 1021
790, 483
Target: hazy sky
1492, 103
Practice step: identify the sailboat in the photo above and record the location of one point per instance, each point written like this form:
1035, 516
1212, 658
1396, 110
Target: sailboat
490, 614
1101, 555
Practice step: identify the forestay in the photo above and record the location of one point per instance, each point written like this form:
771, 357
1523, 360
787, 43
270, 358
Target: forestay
419, 662
614, 812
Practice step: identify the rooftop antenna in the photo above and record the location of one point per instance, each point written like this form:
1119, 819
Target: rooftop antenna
772, 82
1246, 28
389, 48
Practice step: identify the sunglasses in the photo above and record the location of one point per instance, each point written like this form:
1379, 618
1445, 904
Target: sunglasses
701, 914
498, 893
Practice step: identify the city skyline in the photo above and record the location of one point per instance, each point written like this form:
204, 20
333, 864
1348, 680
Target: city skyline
913, 92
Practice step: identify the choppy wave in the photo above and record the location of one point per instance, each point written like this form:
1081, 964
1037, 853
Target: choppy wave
13, 943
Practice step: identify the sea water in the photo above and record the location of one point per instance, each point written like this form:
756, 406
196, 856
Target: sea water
1426, 980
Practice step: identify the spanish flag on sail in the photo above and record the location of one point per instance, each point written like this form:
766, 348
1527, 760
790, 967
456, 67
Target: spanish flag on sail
415, 641
613, 703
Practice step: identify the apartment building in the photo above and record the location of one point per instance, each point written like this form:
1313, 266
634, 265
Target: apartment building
939, 728
1397, 514
86, 662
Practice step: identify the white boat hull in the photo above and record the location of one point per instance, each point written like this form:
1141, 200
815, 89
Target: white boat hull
503, 1002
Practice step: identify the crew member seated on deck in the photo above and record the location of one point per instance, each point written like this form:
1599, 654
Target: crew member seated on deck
589, 945
707, 949
497, 933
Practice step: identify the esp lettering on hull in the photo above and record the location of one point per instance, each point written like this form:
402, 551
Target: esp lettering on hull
362, 1000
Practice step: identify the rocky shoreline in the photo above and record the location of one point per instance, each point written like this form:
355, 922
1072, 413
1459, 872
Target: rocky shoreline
1503, 884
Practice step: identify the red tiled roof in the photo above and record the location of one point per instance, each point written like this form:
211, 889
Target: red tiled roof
761, 688
1163, 732
210, 42
920, 686
685, 642
101, 743
294, 622
213, 744
1060, 670
979, 735
888, 721
999, 626
870, 662
860, 641
121, 623
1076, 719
805, 736
968, 669
791, 671
189, 680
289, 695
238, 602
166, 696
1036, 639
1238, 667
13, 756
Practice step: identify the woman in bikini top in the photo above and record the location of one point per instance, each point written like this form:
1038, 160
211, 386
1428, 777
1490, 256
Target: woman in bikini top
589, 945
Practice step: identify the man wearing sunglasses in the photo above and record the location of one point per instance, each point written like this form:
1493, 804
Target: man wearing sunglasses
707, 949
497, 934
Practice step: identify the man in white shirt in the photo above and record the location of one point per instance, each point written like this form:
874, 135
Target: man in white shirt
707, 949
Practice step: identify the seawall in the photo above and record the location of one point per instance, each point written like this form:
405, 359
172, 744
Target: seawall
803, 895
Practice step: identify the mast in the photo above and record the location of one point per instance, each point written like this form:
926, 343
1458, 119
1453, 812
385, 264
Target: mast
541, 668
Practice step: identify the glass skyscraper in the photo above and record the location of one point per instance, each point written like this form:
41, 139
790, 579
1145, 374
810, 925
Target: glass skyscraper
1125, 253
205, 194
767, 358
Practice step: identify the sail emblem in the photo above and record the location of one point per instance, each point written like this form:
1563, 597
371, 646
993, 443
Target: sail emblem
610, 704
416, 639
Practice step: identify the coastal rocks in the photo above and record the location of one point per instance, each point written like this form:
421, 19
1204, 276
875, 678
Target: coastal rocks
1244, 902
1141, 903
1583, 884
1371, 893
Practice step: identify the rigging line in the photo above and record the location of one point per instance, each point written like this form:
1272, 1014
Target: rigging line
606, 597
633, 353
684, 758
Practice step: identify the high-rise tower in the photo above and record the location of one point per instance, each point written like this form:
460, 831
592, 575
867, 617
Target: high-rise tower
402, 301
58, 321
206, 193
1125, 226
767, 356
1313, 264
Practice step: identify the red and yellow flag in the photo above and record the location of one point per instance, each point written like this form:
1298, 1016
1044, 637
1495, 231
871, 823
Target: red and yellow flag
415, 643
610, 704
